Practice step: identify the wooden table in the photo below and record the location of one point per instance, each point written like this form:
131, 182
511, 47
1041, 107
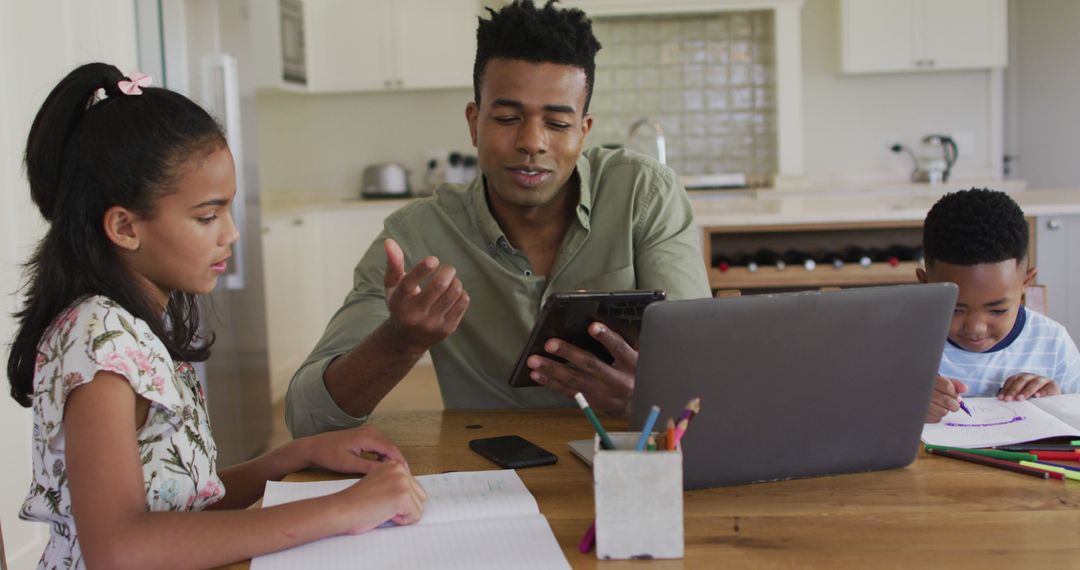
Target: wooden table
936, 512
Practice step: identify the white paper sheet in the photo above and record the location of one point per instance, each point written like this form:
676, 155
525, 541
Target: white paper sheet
476, 519
994, 422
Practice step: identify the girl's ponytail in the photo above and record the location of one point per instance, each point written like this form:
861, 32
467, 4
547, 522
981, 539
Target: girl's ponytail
54, 124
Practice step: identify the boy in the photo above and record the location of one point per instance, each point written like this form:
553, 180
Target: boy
978, 239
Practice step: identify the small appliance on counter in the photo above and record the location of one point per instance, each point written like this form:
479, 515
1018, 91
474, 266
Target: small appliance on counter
447, 166
933, 160
385, 180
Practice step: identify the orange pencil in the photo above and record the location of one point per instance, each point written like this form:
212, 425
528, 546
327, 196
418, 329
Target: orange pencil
669, 436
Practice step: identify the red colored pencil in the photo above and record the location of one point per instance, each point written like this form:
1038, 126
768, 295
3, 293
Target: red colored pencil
999, 463
1057, 455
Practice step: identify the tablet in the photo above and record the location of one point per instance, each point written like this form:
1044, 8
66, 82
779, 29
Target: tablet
567, 316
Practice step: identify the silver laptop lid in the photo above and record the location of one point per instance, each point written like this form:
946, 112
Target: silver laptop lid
795, 384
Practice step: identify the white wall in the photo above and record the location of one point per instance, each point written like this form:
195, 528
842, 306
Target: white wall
40, 41
319, 144
849, 120
1042, 107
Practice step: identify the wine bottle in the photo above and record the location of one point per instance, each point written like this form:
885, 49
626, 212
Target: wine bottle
829, 257
765, 256
797, 257
746, 260
722, 262
856, 254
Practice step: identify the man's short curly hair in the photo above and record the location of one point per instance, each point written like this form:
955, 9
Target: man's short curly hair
975, 226
520, 30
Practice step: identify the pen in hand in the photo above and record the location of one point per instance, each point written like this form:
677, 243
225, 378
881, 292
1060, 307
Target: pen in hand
964, 407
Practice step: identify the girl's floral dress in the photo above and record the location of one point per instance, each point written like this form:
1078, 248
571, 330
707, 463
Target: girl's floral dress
177, 450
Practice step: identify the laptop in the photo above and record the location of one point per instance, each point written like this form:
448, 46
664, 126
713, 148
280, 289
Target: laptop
796, 384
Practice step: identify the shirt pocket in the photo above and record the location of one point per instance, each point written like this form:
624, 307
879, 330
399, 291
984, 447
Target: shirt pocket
620, 279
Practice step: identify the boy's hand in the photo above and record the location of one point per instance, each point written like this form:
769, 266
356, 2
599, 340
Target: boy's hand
945, 399
1023, 386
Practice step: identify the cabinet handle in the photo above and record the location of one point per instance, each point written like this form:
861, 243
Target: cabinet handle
297, 222
399, 83
1053, 224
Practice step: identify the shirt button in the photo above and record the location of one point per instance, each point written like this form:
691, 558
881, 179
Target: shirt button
528, 273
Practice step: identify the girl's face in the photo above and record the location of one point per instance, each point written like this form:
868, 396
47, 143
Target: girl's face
186, 244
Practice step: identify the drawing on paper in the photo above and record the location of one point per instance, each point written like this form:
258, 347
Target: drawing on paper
986, 414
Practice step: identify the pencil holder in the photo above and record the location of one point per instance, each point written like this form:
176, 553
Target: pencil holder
639, 500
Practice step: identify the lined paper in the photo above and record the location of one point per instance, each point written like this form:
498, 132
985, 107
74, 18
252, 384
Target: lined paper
477, 519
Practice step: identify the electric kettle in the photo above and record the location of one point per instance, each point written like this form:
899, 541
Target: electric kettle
933, 160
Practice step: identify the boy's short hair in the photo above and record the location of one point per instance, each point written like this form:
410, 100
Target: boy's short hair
975, 226
520, 30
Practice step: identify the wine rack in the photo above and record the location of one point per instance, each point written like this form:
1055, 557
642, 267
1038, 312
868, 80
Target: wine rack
736, 243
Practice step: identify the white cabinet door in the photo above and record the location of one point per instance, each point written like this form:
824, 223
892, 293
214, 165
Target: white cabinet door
965, 34
346, 236
348, 47
878, 35
293, 296
922, 35
435, 42
1057, 257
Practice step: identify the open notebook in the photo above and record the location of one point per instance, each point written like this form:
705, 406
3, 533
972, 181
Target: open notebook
475, 519
994, 422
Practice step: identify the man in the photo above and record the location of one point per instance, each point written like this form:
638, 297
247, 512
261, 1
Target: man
542, 217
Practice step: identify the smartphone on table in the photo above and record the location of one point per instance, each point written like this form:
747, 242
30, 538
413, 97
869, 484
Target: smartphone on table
512, 451
567, 316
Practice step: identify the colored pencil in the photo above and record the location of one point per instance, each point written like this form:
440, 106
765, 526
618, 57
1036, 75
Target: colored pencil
1057, 455
996, 454
605, 441
646, 430
1037, 447
691, 410
1075, 442
964, 407
669, 435
1052, 469
991, 462
590, 537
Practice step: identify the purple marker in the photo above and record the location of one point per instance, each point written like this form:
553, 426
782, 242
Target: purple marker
964, 407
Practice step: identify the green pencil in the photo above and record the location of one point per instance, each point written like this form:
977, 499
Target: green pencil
1075, 442
605, 441
1006, 455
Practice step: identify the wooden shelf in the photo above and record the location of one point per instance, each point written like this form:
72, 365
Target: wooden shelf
823, 276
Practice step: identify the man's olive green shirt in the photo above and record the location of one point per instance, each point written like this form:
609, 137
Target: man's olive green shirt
633, 229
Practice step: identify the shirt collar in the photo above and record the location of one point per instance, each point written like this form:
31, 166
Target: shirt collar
1017, 328
489, 226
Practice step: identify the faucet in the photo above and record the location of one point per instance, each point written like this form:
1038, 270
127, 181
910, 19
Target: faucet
661, 147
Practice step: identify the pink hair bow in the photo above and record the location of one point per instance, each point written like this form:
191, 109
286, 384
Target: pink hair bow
133, 84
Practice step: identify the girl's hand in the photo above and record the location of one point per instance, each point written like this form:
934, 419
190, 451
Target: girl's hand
388, 493
340, 450
1024, 385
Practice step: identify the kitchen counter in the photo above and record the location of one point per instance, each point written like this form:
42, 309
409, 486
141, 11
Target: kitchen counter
764, 207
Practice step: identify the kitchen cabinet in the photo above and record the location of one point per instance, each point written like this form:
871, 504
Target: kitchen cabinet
1057, 247
922, 35
367, 45
309, 259
294, 299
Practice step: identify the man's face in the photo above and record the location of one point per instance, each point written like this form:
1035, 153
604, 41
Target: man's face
988, 301
528, 130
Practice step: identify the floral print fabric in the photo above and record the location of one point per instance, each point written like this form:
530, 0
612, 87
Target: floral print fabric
177, 450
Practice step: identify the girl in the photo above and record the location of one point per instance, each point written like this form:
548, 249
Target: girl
136, 187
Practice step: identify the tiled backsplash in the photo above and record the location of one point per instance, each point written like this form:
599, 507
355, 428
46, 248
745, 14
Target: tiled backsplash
708, 80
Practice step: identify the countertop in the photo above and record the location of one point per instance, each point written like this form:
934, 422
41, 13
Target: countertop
765, 207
